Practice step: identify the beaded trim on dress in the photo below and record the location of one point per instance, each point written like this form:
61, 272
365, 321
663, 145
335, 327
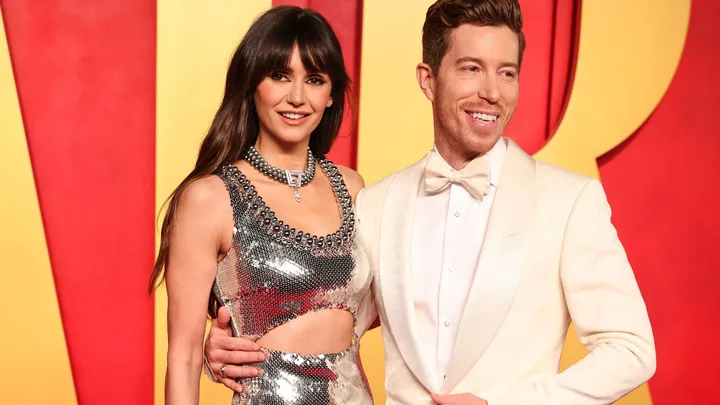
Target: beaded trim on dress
287, 235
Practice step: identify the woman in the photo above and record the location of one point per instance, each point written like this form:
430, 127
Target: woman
264, 225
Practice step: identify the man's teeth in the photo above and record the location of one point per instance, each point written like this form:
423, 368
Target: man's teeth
293, 116
484, 117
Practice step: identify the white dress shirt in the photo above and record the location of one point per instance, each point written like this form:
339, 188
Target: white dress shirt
448, 232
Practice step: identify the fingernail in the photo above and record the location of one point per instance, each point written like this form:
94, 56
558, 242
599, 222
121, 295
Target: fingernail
260, 372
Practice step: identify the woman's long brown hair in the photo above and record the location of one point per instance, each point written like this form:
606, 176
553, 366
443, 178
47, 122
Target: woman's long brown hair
267, 47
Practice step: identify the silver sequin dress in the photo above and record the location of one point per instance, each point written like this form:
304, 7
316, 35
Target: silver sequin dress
273, 274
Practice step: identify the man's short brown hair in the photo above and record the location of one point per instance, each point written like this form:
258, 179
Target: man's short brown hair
446, 15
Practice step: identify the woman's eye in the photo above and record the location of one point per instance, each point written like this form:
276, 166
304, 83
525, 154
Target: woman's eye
316, 80
278, 76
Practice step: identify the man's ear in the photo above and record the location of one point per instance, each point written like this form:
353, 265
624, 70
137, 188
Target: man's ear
426, 80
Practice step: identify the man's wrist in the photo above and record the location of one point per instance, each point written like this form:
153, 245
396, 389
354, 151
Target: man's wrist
208, 370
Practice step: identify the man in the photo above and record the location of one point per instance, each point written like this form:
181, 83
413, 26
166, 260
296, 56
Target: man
482, 255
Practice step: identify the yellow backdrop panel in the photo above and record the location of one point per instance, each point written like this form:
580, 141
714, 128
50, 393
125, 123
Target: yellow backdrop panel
35, 364
395, 126
195, 43
628, 54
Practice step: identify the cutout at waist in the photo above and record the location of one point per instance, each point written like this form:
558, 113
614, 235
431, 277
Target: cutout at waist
316, 332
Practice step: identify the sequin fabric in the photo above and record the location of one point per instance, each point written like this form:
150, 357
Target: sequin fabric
273, 274
290, 378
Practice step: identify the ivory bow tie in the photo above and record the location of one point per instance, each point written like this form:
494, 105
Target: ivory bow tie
475, 177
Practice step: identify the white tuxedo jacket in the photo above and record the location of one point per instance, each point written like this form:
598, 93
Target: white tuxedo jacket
551, 255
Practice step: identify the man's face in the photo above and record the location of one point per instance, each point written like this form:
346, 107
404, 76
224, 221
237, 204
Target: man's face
475, 90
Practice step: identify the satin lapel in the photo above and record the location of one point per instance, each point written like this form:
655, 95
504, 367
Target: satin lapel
395, 282
500, 264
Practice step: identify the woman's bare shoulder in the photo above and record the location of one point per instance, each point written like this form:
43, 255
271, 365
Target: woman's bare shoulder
353, 180
205, 199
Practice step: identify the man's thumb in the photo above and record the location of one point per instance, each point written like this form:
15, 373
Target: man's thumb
223, 319
437, 398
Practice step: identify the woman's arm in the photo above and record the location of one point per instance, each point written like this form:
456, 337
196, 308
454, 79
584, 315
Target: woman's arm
202, 217
369, 315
